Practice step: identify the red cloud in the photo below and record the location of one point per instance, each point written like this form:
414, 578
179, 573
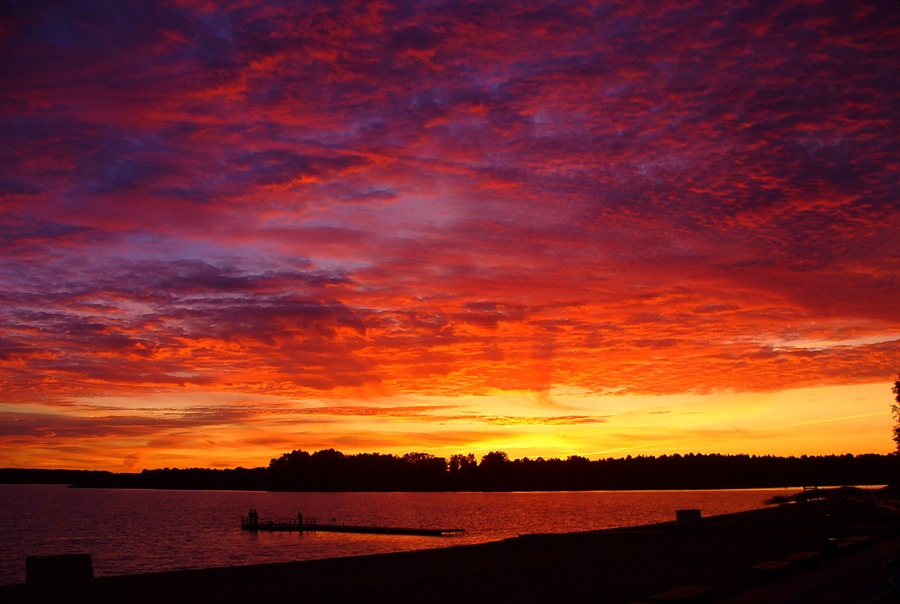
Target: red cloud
322, 201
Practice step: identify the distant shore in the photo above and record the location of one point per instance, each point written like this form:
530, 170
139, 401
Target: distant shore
332, 471
621, 565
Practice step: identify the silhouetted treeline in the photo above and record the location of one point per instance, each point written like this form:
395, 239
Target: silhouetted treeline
331, 470
238, 479
29, 476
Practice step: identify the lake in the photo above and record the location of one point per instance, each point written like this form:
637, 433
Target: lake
139, 531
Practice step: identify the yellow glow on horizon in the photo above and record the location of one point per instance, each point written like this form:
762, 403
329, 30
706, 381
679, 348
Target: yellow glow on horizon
830, 419
195, 428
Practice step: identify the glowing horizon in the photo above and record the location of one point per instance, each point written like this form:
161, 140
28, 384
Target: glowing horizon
235, 229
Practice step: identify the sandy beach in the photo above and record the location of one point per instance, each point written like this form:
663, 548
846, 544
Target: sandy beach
850, 540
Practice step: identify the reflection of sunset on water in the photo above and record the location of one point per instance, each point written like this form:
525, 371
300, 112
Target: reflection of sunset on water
233, 231
97, 519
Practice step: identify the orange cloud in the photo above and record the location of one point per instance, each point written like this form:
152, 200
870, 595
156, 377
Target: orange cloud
334, 206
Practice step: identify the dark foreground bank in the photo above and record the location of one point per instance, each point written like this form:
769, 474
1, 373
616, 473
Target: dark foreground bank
625, 565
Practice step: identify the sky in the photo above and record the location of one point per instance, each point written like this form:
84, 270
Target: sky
234, 229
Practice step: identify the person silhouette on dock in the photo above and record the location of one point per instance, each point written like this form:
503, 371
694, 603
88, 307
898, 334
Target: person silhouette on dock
300, 518
254, 517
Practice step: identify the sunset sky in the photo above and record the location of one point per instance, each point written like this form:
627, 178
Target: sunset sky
235, 229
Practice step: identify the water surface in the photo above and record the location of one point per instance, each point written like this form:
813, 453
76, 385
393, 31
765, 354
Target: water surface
137, 531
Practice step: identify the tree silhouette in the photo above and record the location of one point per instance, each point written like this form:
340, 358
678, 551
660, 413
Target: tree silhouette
494, 459
895, 410
461, 462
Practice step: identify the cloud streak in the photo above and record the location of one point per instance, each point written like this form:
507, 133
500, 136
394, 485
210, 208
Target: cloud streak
356, 201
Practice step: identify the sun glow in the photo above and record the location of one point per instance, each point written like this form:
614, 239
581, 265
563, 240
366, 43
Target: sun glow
228, 430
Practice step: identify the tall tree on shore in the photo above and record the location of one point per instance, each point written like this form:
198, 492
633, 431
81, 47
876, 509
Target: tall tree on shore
895, 409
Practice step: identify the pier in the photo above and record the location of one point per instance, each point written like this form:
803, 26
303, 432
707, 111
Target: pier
310, 525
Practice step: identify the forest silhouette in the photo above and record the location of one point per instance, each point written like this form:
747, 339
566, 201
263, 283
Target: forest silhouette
331, 470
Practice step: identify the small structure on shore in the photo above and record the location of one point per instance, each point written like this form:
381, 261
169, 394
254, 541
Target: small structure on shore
304, 524
60, 578
688, 518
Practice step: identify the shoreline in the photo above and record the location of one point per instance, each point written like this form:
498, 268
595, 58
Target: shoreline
332, 471
668, 489
613, 565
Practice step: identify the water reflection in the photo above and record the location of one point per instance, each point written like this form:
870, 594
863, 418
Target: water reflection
134, 531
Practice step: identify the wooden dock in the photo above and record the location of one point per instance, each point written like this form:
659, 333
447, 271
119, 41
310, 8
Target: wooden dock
310, 525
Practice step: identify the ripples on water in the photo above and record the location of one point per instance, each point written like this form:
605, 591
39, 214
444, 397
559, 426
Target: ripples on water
137, 531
